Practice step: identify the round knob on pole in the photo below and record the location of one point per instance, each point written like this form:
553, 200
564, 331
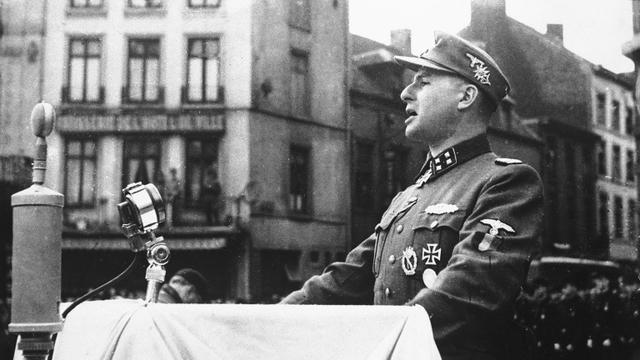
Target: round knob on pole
43, 116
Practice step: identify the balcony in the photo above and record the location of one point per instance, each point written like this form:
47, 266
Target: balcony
185, 100
128, 100
67, 100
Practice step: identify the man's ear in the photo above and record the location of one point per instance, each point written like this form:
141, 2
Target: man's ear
469, 96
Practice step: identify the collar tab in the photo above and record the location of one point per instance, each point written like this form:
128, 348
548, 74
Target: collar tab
454, 156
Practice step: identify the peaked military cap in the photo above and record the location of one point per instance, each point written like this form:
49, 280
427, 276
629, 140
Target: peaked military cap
454, 54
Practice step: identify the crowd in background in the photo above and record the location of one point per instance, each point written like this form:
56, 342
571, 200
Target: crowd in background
598, 321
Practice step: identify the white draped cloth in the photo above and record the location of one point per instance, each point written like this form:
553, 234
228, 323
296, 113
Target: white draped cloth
131, 329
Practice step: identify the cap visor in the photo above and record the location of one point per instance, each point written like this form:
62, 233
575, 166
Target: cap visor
415, 63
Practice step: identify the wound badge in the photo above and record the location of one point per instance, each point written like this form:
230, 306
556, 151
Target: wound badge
439, 209
429, 277
496, 226
409, 261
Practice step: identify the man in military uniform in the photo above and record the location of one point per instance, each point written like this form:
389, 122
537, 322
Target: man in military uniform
459, 241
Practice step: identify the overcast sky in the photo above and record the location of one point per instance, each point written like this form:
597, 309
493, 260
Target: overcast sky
593, 29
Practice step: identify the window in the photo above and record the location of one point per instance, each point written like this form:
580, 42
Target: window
617, 216
616, 169
631, 220
299, 83
145, 4
629, 126
143, 71
86, 3
601, 105
83, 82
630, 168
204, 3
601, 158
551, 188
299, 179
570, 191
300, 14
615, 115
603, 215
395, 161
203, 70
202, 170
141, 161
588, 191
80, 172
364, 195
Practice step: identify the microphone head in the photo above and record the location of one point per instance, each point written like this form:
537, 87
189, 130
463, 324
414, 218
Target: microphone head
43, 117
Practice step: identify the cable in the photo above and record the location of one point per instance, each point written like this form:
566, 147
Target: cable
116, 279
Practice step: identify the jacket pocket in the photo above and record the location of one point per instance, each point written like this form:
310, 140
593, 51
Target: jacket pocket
434, 237
397, 209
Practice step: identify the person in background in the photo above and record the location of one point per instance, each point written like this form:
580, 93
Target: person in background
173, 194
186, 286
212, 197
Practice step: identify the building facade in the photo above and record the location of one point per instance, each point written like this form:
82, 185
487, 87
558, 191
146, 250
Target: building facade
552, 88
631, 49
384, 162
236, 110
614, 121
21, 68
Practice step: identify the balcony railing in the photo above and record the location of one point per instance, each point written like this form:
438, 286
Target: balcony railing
126, 98
66, 97
184, 96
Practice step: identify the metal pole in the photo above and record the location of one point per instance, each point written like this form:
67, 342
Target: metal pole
37, 248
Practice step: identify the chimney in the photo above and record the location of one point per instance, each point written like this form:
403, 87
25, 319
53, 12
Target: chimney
555, 32
488, 18
635, 8
401, 40
485, 10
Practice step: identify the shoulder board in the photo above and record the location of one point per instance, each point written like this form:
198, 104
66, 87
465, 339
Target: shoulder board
507, 161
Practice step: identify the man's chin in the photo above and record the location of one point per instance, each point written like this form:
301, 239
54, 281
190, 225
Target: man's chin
413, 135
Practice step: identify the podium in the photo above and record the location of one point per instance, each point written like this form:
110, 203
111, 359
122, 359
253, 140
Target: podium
130, 329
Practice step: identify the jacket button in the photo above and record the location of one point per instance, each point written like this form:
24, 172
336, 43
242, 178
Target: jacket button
387, 292
434, 224
399, 228
392, 259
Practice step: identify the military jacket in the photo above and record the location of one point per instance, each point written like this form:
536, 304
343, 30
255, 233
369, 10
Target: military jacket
458, 242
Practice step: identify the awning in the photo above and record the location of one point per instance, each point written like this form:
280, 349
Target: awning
375, 58
187, 238
123, 244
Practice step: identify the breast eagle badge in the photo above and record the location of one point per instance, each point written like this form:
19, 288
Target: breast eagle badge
480, 70
496, 226
409, 261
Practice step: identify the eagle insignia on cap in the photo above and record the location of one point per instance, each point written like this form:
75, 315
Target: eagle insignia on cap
496, 226
480, 70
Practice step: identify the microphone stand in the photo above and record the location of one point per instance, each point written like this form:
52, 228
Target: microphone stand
157, 256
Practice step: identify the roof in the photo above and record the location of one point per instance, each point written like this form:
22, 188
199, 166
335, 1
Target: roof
374, 74
361, 44
625, 79
546, 78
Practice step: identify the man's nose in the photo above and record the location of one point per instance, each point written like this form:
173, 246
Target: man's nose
407, 94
